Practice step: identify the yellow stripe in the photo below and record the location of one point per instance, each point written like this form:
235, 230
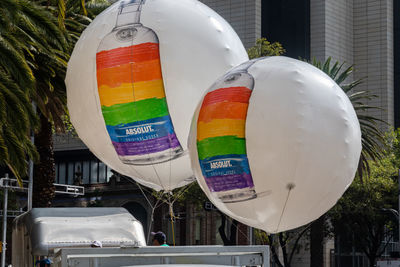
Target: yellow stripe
221, 127
124, 94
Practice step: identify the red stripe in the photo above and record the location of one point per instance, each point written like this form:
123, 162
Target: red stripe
126, 55
229, 94
223, 110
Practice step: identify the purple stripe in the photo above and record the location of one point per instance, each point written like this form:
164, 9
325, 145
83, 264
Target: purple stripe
146, 147
229, 182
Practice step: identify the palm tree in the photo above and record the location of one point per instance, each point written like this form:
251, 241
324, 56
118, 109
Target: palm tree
50, 94
35, 41
372, 139
25, 28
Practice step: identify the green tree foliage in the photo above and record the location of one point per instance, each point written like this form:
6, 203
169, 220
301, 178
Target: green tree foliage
264, 48
26, 29
36, 38
362, 212
287, 241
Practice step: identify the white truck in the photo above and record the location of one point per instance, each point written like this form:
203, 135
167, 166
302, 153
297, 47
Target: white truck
66, 235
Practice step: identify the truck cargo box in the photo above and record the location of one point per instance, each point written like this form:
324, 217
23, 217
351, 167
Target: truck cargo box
42, 230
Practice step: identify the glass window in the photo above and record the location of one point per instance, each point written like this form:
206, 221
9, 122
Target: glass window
86, 172
70, 179
287, 22
102, 172
78, 174
56, 172
93, 175
62, 170
109, 174
197, 231
89, 172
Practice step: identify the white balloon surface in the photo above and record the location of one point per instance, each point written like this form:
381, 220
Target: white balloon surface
135, 77
274, 143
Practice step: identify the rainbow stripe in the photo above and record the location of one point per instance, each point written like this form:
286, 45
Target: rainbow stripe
133, 100
221, 142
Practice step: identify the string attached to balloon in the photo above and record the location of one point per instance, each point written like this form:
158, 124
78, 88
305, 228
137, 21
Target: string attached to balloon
167, 198
289, 187
172, 216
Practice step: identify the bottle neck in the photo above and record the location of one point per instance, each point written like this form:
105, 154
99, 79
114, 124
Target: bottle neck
245, 67
129, 14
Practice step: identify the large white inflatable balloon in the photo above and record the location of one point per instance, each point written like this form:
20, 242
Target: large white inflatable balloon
135, 78
274, 143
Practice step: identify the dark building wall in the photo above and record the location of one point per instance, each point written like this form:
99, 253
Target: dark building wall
287, 22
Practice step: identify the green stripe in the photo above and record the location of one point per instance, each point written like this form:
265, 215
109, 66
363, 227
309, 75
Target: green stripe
135, 111
222, 145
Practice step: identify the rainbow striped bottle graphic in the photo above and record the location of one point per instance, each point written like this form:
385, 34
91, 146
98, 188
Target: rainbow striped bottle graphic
131, 91
221, 142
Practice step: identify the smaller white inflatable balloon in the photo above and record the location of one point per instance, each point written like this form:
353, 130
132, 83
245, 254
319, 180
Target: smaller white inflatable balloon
274, 143
135, 77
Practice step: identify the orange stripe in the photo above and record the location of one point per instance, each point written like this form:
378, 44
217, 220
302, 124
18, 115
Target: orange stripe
127, 92
143, 71
126, 55
223, 110
221, 127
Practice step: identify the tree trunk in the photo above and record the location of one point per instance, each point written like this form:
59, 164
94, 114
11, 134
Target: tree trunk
372, 261
316, 242
274, 253
283, 243
44, 172
231, 241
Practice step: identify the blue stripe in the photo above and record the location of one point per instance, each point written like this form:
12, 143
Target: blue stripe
141, 130
225, 165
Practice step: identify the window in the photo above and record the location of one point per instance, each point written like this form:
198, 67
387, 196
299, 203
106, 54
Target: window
94, 167
86, 172
102, 172
61, 173
197, 231
70, 176
287, 22
82, 172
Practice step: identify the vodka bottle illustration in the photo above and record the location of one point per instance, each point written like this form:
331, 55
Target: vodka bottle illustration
131, 91
221, 142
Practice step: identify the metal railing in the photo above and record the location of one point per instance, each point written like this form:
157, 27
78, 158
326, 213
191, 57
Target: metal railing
207, 255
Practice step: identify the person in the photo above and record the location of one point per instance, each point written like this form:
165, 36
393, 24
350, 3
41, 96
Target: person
96, 244
159, 239
43, 263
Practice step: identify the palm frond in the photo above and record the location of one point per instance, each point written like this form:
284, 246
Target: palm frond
372, 138
13, 61
45, 23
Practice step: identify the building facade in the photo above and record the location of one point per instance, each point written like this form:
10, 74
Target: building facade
361, 33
